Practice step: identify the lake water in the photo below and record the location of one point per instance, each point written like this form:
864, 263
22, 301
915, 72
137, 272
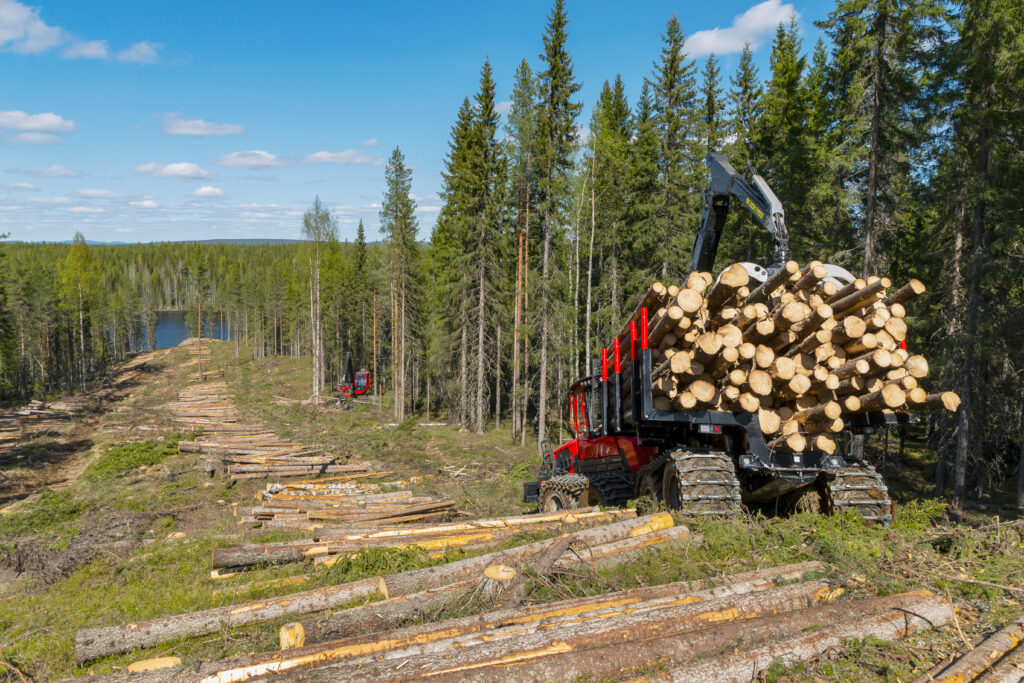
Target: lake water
171, 329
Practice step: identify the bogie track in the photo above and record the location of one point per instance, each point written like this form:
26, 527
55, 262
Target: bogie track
860, 488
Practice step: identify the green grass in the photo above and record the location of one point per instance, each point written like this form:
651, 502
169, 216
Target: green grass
120, 460
52, 513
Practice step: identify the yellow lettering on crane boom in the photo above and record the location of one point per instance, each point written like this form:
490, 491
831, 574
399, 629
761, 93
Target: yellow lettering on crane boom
753, 207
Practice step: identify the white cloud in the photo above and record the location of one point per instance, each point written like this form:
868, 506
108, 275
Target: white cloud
183, 170
85, 209
503, 107
144, 52
372, 142
428, 209
23, 32
208, 192
52, 171
344, 158
174, 124
50, 200
86, 49
145, 204
36, 123
89, 193
254, 158
38, 139
26, 187
753, 26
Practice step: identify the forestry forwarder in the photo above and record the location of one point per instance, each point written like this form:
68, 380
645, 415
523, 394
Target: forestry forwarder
699, 461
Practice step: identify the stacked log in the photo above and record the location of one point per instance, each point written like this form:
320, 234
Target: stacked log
245, 451
348, 499
601, 545
614, 636
799, 350
329, 544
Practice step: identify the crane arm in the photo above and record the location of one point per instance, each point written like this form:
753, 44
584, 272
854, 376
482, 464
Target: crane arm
755, 195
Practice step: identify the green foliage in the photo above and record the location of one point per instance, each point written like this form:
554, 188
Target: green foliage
121, 460
53, 511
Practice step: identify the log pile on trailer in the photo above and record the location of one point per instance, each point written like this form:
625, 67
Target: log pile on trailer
798, 350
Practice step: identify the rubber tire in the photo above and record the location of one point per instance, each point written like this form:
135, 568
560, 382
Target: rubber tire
648, 493
553, 500
670, 487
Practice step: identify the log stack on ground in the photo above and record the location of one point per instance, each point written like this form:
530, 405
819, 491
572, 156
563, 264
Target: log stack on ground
673, 630
444, 584
800, 350
329, 543
246, 451
343, 500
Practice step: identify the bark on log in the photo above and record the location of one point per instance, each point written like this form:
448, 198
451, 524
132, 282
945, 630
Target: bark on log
746, 665
774, 281
905, 293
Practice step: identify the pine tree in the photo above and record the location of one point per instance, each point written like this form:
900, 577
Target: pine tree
398, 224
522, 152
557, 132
78, 281
320, 230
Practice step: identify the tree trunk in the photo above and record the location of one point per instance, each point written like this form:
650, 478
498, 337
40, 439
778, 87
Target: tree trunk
526, 329
967, 381
590, 265
92, 643
545, 315
517, 317
952, 326
463, 376
871, 200
480, 412
497, 378
81, 329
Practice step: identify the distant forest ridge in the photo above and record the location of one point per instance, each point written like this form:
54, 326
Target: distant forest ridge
244, 242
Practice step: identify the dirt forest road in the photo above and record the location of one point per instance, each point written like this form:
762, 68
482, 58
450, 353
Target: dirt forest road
49, 445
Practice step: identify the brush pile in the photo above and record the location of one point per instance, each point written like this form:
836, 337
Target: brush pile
799, 350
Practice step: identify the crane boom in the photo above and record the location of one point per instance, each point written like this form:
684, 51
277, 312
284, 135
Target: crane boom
755, 195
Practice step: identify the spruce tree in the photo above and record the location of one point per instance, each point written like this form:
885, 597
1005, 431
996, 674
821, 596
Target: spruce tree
643, 253
780, 132
674, 93
881, 47
557, 132
744, 109
712, 119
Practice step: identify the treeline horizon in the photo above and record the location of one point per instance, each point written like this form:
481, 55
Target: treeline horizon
894, 144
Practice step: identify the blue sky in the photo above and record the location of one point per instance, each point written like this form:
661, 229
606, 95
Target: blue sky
146, 121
